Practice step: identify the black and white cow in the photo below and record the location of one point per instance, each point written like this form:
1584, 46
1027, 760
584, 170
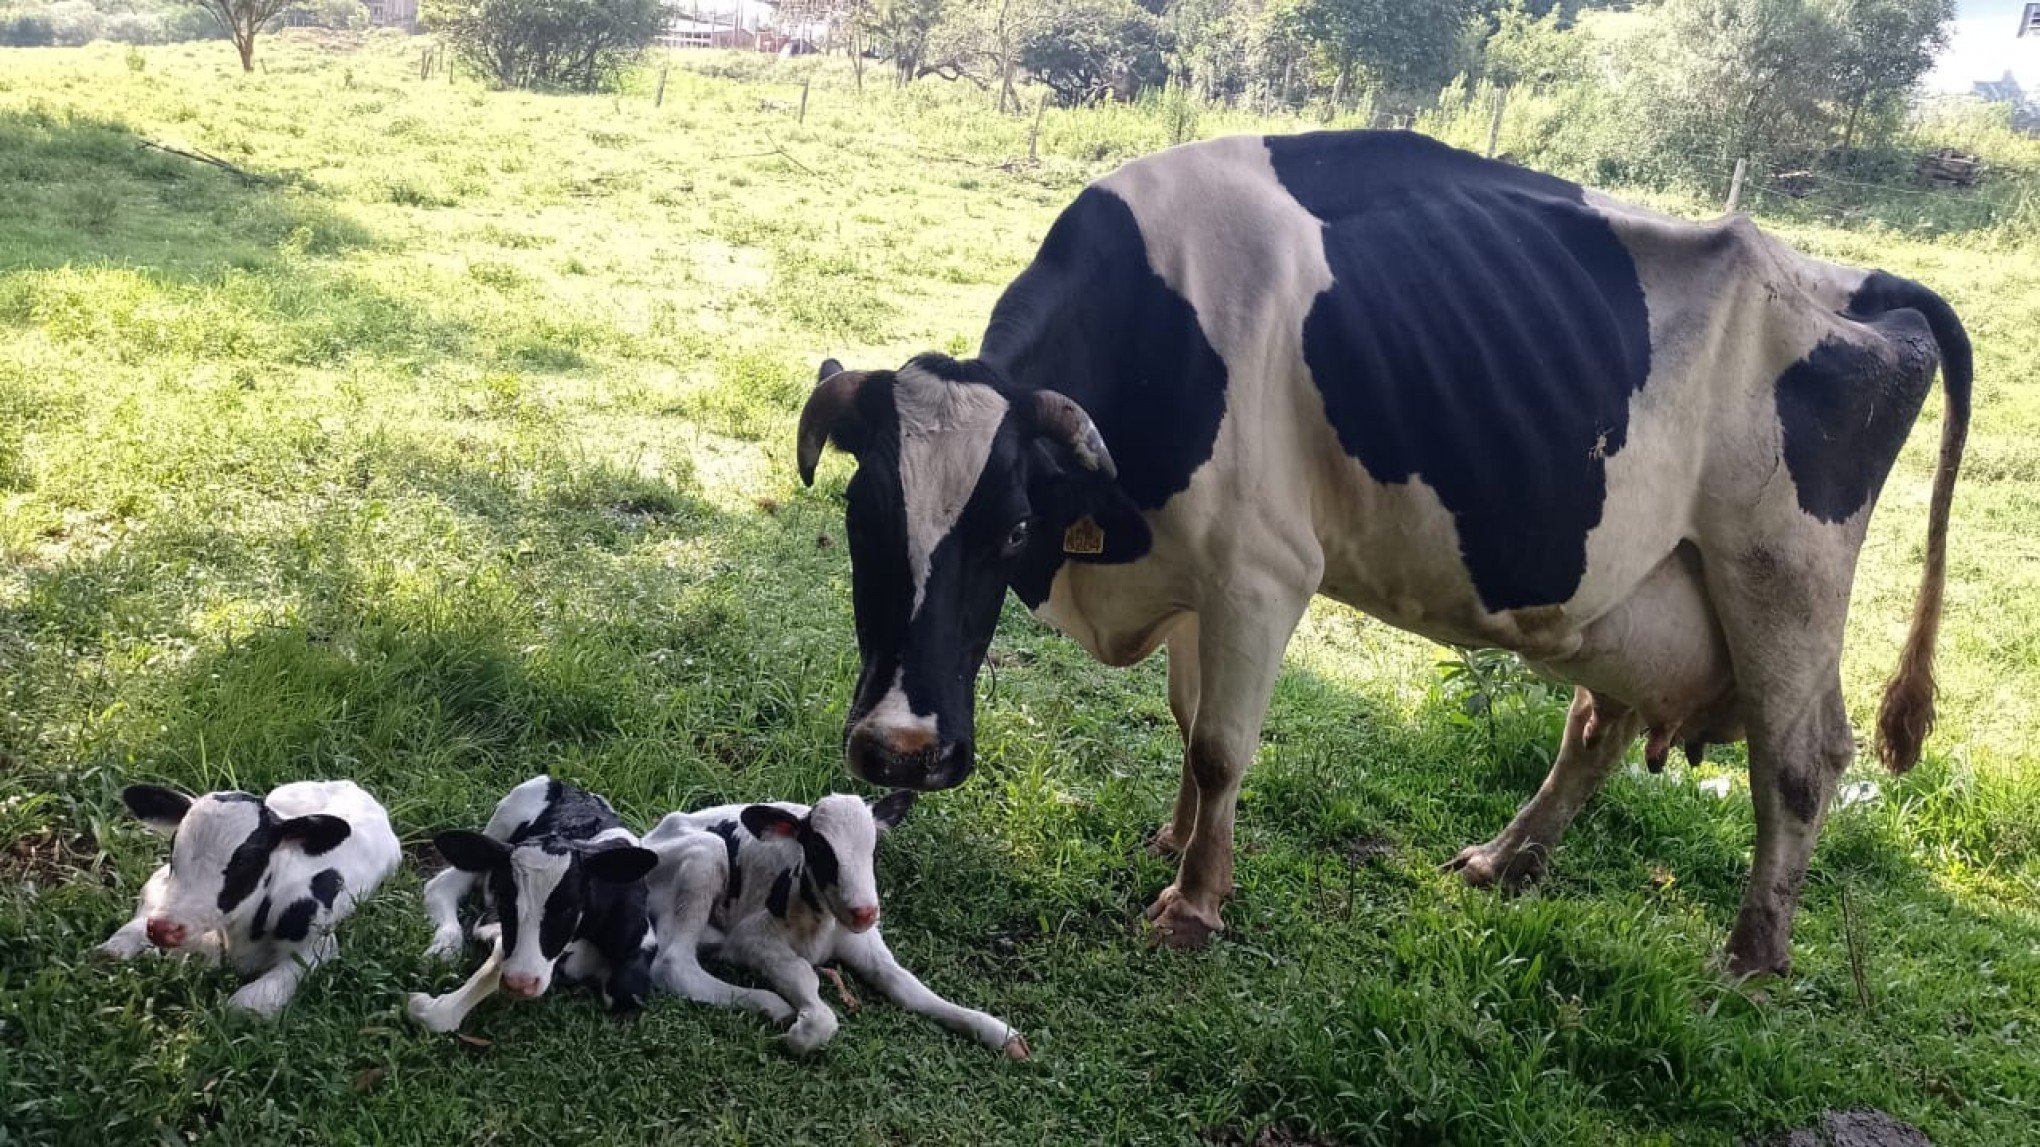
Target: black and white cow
1480, 403
780, 888
257, 882
566, 881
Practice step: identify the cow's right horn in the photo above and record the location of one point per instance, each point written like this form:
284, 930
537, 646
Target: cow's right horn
831, 403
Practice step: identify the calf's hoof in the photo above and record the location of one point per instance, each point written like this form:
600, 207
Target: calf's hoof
1496, 864
1179, 924
124, 948
1016, 1049
424, 1011
260, 999
445, 947
810, 1032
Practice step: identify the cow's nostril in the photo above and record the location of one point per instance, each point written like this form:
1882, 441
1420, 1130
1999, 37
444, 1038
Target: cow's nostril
908, 740
526, 986
862, 919
165, 933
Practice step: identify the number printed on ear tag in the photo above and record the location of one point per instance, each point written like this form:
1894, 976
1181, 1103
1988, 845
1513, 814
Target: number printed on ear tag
1084, 537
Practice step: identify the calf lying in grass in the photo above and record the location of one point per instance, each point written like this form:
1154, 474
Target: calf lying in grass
780, 888
257, 882
565, 878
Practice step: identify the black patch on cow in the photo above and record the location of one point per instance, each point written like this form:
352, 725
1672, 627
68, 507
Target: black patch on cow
570, 813
326, 885
807, 891
819, 858
731, 845
250, 860
295, 922
261, 922
500, 894
1846, 408
561, 916
1485, 332
782, 892
1091, 319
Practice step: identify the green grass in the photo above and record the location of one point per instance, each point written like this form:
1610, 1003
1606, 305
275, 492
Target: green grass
462, 449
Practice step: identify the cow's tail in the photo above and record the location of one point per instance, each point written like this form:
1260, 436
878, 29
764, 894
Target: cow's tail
1907, 715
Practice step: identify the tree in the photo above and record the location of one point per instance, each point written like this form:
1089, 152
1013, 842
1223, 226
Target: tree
576, 44
1405, 44
1527, 50
1881, 48
241, 19
1083, 49
901, 30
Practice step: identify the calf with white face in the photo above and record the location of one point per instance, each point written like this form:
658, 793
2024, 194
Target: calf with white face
780, 888
257, 882
565, 878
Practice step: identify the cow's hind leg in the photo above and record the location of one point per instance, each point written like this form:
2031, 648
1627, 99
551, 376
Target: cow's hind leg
1597, 730
1183, 691
1783, 608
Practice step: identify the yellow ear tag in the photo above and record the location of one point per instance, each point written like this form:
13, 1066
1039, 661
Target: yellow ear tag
1084, 537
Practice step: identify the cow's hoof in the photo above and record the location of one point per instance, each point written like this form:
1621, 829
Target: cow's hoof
810, 1032
262, 999
424, 1012
1165, 842
1179, 924
1016, 1048
1496, 864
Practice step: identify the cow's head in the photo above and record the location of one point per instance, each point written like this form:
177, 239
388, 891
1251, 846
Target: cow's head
540, 888
838, 840
221, 847
963, 487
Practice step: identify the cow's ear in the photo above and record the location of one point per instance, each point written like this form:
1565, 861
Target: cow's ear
889, 810
765, 821
470, 851
1122, 533
315, 834
619, 865
160, 808
1064, 425
830, 416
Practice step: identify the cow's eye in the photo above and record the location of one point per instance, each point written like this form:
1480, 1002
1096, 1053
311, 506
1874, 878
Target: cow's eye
1017, 540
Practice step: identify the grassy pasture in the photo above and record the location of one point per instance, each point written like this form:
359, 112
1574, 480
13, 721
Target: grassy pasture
462, 450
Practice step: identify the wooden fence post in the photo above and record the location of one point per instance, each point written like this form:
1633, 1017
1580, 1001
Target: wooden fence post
803, 98
659, 97
1034, 133
1735, 185
1494, 127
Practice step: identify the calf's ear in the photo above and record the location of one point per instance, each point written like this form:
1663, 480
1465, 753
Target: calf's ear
315, 834
890, 809
764, 822
160, 808
620, 865
470, 851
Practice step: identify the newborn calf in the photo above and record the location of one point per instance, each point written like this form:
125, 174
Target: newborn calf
780, 888
566, 880
258, 882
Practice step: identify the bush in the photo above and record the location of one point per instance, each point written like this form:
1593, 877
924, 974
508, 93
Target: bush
581, 45
26, 30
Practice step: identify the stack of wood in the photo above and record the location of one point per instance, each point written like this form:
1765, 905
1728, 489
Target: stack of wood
1948, 168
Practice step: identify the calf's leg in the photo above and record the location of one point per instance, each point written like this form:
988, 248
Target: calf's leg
443, 894
268, 993
756, 944
1597, 731
684, 890
868, 957
132, 938
445, 1013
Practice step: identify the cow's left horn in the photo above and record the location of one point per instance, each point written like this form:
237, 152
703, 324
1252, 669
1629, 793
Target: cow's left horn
1057, 416
826, 409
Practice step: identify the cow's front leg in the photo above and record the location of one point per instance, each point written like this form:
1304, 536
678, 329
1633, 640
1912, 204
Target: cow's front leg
1183, 690
268, 993
1597, 731
1239, 654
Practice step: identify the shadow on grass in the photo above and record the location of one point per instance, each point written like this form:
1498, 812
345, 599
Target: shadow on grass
87, 191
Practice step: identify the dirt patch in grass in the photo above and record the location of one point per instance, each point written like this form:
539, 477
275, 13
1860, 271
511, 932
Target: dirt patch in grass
1863, 1128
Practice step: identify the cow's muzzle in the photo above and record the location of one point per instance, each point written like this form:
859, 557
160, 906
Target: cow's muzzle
906, 759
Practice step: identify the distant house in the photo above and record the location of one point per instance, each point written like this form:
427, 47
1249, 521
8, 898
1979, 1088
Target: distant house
393, 13
2029, 21
717, 23
682, 32
2004, 91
